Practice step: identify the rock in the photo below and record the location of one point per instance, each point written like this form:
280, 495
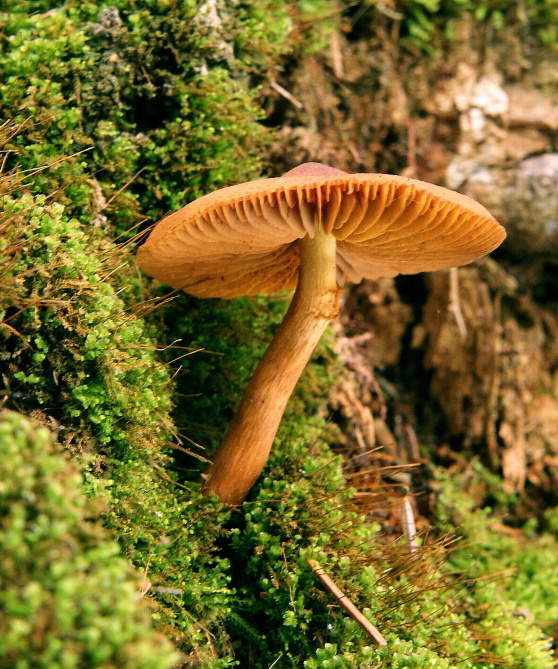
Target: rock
530, 202
530, 108
500, 130
523, 198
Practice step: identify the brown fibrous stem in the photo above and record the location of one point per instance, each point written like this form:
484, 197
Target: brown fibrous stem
247, 443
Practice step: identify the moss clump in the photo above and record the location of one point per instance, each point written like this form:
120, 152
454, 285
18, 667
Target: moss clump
67, 598
526, 557
429, 615
79, 354
158, 97
428, 22
80, 358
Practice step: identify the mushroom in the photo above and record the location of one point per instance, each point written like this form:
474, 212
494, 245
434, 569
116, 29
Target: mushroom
315, 228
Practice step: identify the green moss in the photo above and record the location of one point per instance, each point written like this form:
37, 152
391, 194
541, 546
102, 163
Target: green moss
79, 356
525, 558
59, 270
67, 598
159, 103
426, 26
428, 20
159, 108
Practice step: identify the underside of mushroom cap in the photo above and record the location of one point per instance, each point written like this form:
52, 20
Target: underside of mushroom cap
242, 240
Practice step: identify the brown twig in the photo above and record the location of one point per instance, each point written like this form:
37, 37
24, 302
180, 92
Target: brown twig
336, 54
287, 95
349, 607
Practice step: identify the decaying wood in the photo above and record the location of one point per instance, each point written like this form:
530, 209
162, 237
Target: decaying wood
487, 385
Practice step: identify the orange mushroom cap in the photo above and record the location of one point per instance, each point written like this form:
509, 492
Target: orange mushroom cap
241, 240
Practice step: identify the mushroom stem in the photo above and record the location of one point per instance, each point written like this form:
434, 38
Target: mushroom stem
247, 443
